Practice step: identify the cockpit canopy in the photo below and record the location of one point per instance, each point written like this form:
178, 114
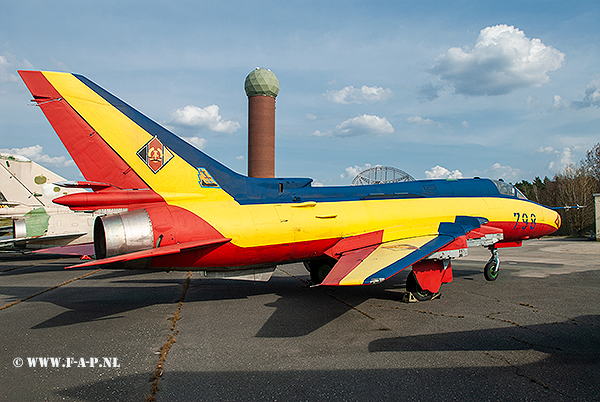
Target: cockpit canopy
508, 189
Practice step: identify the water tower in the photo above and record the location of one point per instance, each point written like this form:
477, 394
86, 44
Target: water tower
262, 87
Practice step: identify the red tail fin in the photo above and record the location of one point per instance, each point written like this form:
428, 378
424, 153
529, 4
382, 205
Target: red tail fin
96, 160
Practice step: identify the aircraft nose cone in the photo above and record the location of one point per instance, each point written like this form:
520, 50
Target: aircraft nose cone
553, 222
557, 220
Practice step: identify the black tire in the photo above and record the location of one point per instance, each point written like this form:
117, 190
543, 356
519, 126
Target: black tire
412, 286
490, 271
319, 269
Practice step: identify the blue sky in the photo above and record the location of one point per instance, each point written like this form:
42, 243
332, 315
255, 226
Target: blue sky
436, 88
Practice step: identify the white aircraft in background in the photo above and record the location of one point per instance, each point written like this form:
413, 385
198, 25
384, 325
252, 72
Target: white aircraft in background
26, 193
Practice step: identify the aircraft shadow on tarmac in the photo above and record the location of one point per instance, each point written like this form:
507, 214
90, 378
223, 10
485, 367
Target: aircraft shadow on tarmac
568, 372
298, 310
31, 266
575, 340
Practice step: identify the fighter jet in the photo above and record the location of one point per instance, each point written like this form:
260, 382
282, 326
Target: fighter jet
28, 190
186, 211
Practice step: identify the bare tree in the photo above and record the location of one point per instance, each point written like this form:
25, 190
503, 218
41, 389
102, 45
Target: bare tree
574, 186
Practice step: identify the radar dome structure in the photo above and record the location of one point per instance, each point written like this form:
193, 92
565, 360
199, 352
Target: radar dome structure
381, 175
261, 82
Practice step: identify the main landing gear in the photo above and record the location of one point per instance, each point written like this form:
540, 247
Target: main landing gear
413, 287
426, 278
319, 269
490, 271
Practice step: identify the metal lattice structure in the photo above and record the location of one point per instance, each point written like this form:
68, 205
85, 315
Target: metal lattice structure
380, 175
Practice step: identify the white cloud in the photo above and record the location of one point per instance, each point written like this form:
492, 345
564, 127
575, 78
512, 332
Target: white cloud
318, 133
502, 60
352, 171
240, 157
507, 173
198, 142
311, 116
8, 64
440, 172
545, 150
419, 120
592, 96
560, 103
5, 76
563, 159
465, 124
363, 125
363, 94
566, 157
208, 117
423, 122
35, 154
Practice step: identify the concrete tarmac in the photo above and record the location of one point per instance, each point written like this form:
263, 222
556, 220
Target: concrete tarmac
533, 334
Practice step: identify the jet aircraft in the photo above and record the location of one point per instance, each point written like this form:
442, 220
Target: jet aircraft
186, 211
38, 224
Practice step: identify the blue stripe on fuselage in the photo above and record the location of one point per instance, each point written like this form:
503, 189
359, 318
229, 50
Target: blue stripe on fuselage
249, 190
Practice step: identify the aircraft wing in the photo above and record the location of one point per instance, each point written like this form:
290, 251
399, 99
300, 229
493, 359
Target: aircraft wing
155, 252
8, 204
377, 262
41, 239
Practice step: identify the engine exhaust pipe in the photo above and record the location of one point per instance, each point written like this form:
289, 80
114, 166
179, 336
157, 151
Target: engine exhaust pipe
123, 233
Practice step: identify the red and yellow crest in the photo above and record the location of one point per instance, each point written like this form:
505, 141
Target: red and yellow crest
155, 154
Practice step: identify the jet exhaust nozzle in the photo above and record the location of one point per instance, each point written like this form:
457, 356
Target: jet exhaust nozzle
123, 233
19, 228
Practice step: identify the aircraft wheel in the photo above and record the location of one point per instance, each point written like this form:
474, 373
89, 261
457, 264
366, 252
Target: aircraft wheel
413, 287
490, 271
319, 270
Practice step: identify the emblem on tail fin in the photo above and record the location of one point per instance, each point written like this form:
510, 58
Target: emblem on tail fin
205, 179
155, 154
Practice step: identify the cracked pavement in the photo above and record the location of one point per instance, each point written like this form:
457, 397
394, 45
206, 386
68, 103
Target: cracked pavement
534, 334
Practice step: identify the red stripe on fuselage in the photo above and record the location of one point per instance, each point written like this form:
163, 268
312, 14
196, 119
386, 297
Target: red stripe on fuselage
95, 159
232, 256
523, 231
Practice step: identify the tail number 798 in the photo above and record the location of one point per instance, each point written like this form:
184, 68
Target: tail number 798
524, 221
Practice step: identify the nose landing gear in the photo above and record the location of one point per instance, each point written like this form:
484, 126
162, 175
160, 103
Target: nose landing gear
490, 271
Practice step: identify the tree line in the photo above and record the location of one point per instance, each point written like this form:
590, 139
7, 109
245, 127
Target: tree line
575, 186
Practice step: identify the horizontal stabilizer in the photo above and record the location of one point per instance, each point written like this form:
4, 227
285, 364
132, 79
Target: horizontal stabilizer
155, 252
71, 249
94, 185
9, 204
